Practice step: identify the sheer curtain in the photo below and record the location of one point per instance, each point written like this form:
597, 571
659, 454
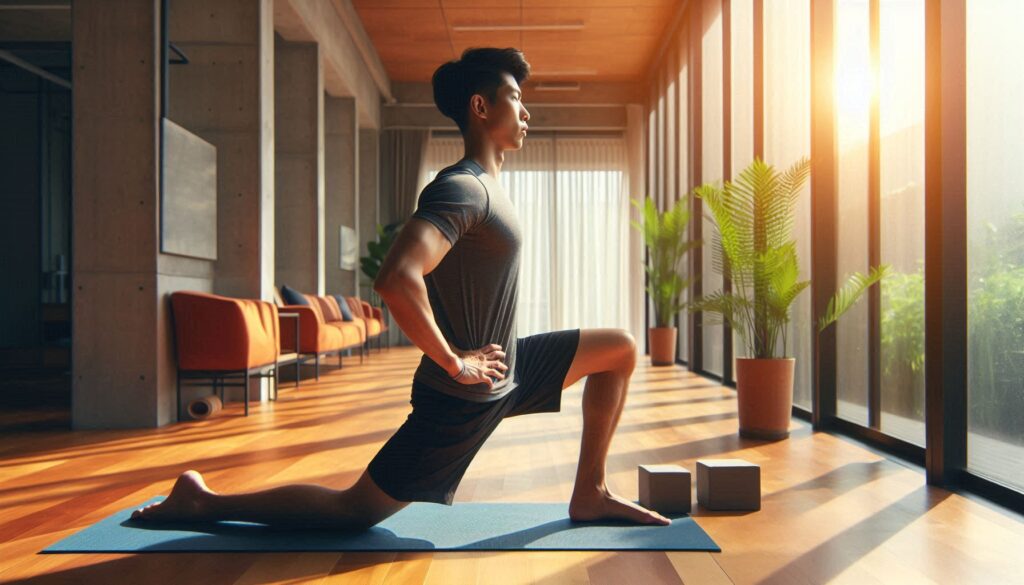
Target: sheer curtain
572, 197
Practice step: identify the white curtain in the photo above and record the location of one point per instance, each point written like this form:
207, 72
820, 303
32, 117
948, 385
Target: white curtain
572, 196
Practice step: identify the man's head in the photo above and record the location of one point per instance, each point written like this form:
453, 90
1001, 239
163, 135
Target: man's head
481, 91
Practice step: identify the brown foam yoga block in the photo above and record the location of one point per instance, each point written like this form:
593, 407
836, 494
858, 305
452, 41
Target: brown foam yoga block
728, 484
665, 488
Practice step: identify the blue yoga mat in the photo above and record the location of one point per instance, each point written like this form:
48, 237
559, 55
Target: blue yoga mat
420, 526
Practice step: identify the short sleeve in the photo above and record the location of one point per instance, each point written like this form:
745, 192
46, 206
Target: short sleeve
454, 203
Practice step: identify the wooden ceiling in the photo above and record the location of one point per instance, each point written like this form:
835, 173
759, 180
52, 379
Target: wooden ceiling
617, 41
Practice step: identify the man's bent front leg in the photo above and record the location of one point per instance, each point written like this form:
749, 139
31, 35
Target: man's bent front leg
607, 357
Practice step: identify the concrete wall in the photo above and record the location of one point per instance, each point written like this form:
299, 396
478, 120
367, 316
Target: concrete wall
369, 198
225, 96
299, 166
341, 170
115, 313
346, 50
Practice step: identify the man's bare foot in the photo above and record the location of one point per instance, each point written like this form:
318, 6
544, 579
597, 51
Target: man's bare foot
187, 501
601, 504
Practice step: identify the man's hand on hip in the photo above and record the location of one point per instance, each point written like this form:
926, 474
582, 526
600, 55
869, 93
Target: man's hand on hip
482, 365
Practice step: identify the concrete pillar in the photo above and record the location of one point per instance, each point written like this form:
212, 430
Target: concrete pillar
369, 199
342, 178
225, 95
116, 322
299, 165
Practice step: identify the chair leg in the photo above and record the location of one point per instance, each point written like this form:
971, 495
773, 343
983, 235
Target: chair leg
246, 397
316, 361
298, 363
275, 381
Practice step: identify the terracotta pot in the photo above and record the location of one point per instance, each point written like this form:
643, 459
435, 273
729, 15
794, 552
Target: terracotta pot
764, 390
663, 345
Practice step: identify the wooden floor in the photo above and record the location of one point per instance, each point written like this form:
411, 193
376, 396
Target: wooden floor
833, 511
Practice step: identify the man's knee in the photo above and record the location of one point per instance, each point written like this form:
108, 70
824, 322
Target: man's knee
364, 505
628, 349
352, 511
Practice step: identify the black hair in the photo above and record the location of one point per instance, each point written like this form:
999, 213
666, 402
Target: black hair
478, 71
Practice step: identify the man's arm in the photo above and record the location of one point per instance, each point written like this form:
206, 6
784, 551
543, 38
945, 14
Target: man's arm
417, 250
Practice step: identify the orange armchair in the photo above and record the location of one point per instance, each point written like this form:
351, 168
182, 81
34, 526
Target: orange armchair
218, 338
319, 334
362, 311
353, 331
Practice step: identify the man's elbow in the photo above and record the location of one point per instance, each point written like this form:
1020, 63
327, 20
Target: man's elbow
387, 282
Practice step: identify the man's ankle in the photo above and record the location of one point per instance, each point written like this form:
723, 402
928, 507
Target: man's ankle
590, 489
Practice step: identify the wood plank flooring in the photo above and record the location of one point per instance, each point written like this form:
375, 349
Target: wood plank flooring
832, 510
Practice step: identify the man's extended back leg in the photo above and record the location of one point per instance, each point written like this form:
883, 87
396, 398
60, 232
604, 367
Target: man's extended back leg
289, 506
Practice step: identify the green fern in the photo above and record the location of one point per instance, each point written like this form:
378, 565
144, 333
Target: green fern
754, 249
850, 293
663, 234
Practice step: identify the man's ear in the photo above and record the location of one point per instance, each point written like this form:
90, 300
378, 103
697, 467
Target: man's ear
478, 105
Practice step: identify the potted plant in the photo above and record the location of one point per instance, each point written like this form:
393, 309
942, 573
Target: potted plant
755, 250
663, 233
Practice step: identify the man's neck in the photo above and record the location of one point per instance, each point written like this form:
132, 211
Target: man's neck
487, 155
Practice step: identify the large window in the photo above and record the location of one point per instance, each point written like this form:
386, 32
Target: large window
683, 168
711, 166
787, 138
995, 234
875, 100
853, 95
652, 185
741, 108
894, 140
901, 215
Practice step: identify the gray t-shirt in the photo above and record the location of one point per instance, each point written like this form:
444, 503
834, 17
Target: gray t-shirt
474, 290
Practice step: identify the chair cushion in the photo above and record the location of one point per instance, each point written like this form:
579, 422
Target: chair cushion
350, 331
357, 308
329, 308
361, 326
373, 327
330, 338
292, 296
314, 303
346, 312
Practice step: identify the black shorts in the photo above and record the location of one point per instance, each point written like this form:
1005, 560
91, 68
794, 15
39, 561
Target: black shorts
427, 456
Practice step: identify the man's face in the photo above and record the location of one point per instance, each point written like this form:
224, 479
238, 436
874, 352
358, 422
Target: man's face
506, 118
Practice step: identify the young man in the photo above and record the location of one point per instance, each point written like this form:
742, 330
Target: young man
451, 283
